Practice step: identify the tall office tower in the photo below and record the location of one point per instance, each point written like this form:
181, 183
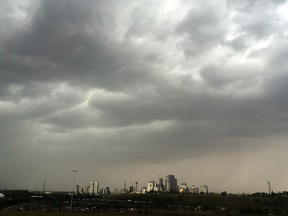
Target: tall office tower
161, 184
87, 189
176, 185
91, 188
170, 183
77, 189
204, 189
94, 188
151, 186
136, 184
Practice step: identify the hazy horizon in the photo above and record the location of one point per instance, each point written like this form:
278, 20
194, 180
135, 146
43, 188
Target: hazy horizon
133, 90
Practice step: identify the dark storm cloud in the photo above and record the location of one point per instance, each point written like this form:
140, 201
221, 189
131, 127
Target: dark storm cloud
65, 38
57, 46
112, 83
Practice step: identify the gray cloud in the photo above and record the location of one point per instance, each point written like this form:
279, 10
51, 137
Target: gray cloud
203, 28
118, 85
248, 6
65, 38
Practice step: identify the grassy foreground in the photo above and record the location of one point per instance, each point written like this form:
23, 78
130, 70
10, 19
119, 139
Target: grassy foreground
26, 213
4, 213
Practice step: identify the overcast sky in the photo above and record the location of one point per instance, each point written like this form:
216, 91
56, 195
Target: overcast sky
133, 90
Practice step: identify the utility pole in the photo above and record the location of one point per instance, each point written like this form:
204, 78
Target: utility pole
44, 188
74, 171
269, 187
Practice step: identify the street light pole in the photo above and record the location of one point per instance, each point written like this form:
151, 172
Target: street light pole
74, 171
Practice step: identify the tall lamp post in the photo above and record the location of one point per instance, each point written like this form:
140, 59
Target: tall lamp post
74, 172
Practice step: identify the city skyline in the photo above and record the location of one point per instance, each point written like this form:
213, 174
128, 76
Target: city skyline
166, 183
125, 90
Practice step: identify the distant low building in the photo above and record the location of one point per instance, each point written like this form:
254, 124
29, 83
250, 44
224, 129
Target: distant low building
204, 189
194, 190
105, 191
131, 189
183, 188
143, 190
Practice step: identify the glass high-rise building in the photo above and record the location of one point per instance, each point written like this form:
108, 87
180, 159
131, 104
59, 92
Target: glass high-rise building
170, 183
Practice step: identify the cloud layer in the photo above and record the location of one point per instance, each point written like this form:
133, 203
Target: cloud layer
147, 87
